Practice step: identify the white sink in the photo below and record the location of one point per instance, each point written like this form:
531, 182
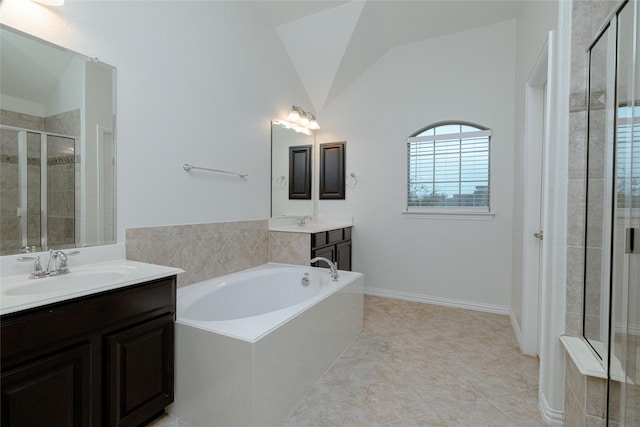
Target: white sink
19, 292
67, 282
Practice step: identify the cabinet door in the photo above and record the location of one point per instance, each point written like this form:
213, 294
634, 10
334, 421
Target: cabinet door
139, 371
50, 391
343, 255
327, 252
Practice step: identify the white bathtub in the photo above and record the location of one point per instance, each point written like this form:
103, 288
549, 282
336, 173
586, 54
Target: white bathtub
250, 344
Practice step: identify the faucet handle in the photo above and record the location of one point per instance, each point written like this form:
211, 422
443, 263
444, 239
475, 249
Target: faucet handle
37, 271
64, 267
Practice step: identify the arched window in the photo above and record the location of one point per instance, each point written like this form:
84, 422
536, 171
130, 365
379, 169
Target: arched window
448, 168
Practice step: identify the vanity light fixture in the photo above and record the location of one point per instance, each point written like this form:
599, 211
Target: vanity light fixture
49, 2
289, 125
294, 115
313, 123
302, 118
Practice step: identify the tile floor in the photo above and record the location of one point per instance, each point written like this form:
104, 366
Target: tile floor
417, 364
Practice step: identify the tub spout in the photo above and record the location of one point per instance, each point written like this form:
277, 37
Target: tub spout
334, 270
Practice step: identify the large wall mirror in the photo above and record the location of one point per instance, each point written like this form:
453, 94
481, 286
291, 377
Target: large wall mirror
57, 147
283, 141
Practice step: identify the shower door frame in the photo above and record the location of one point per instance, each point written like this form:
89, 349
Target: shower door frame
22, 182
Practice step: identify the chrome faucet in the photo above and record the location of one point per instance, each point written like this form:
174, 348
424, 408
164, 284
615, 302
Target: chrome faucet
60, 267
56, 265
334, 269
302, 221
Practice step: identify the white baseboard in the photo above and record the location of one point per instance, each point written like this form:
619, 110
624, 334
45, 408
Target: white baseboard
516, 328
550, 416
468, 305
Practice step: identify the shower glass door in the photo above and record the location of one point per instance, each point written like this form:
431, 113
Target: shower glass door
38, 192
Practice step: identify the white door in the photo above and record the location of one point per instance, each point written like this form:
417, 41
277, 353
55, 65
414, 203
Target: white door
536, 138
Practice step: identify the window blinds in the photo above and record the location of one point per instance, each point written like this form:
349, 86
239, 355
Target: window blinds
449, 170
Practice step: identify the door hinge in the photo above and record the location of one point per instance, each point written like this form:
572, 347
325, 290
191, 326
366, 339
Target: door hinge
539, 235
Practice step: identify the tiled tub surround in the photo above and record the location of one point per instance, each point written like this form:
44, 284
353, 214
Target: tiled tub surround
203, 251
251, 371
290, 247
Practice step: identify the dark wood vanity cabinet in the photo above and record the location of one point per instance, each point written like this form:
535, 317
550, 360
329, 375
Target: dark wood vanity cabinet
334, 245
100, 360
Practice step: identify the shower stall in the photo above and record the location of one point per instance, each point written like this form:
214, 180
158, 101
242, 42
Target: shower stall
611, 312
39, 196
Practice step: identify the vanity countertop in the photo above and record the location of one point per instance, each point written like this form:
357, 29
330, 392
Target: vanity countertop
20, 293
311, 227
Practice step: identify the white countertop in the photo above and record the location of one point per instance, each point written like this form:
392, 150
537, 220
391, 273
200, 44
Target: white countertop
310, 228
316, 225
18, 292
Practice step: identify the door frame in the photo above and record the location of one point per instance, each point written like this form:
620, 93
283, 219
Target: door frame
536, 148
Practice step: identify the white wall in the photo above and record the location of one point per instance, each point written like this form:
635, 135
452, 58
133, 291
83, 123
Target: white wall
198, 82
466, 76
69, 94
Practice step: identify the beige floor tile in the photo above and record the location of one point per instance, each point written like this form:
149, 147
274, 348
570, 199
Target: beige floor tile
423, 365
420, 365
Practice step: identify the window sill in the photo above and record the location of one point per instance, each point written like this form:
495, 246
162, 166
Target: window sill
450, 214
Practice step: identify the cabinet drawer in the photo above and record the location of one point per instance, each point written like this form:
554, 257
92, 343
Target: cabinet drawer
335, 236
347, 233
319, 240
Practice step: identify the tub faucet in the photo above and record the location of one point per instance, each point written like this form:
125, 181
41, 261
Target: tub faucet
334, 270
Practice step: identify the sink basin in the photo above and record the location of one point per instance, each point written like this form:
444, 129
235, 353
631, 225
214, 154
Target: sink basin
67, 282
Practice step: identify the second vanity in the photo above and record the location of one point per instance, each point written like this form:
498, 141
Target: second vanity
93, 348
296, 244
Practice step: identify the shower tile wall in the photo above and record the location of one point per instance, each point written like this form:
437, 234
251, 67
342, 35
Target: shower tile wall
63, 190
587, 17
204, 251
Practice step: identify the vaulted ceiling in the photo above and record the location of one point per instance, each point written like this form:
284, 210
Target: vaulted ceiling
331, 43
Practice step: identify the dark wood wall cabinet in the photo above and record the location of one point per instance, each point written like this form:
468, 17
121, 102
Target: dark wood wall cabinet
300, 172
332, 171
334, 245
100, 360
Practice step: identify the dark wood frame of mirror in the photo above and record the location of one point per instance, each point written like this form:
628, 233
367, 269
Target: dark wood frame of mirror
332, 171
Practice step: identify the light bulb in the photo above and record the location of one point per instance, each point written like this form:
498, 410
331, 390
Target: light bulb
294, 116
313, 123
304, 121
